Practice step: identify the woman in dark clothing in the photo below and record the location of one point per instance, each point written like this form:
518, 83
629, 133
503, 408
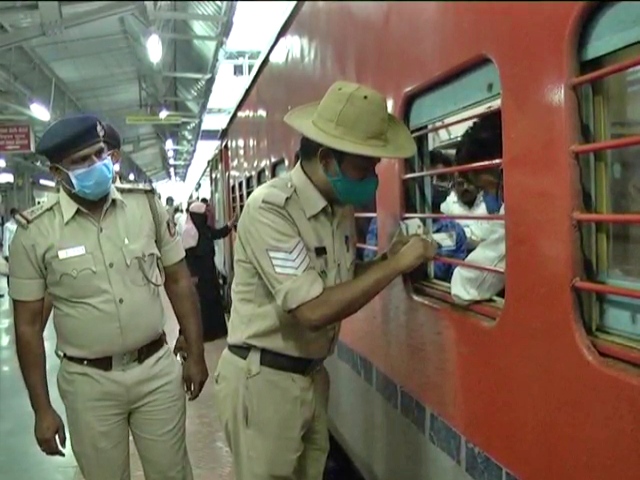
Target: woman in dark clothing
198, 240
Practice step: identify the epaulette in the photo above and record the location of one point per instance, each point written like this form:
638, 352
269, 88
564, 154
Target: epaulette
134, 187
278, 191
24, 219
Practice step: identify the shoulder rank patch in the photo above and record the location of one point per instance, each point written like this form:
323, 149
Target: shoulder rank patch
24, 219
134, 187
289, 261
277, 192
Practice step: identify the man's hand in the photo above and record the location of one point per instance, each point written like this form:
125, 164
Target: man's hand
418, 250
400, 239
233, 222
180, 348
50, 433
194, 375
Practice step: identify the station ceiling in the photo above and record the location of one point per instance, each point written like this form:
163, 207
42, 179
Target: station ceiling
91, 57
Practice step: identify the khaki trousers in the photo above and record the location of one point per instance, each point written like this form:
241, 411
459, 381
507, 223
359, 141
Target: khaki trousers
274, 422
102, 407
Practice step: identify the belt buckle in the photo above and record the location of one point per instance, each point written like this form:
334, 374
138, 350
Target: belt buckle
124, 360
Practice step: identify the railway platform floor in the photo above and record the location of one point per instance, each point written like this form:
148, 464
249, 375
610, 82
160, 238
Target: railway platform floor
20, 457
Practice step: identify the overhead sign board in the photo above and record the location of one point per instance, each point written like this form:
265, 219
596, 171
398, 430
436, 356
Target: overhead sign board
16, 138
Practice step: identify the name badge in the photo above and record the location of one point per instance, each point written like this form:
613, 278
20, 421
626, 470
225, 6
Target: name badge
71, 252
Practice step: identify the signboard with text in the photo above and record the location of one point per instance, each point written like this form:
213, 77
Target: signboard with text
16, 138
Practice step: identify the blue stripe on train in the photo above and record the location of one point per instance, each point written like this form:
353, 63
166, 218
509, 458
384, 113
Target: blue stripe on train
476, 463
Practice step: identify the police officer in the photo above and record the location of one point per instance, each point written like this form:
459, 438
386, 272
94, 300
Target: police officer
113, 142
296, 279
103, 255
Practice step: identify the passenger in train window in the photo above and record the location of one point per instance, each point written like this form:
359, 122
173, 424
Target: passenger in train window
372, 240
440, 160
449, 234
482, 141
465, 199
98, 252
296, 279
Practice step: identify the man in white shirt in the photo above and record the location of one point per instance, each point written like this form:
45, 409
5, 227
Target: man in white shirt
465, 199
180, 218
8, 232
482, 141
7, 236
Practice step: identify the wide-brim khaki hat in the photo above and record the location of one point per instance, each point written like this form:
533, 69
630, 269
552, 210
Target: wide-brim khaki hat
352, 118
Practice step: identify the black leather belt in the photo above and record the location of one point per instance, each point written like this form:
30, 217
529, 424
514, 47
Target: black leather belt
280, 361
107, 364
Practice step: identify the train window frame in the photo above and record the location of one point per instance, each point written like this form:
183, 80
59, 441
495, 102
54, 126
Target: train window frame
250, 185
233, 193
452, 105
609, 47
276, 166
262, 177
217, 182
365, 251
242, 194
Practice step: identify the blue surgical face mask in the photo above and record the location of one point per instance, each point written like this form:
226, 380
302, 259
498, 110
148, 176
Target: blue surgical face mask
94, 182
358, 193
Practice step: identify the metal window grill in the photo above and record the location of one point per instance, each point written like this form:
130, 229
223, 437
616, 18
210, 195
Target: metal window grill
606, 347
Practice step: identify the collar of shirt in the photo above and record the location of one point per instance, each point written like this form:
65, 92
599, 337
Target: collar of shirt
311, 199
69, 207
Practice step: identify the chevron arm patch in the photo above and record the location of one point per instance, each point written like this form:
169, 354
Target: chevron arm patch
292, 262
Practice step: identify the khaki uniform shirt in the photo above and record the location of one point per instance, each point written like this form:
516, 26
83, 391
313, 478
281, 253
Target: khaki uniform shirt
97, 273
290, 245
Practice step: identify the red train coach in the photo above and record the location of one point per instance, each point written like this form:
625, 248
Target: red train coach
540, 384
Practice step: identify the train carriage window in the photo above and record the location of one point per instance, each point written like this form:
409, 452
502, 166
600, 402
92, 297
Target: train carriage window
262, 176
279, 168
241, 195
446, 199
249, 185
367, 232
608, 90
234, 199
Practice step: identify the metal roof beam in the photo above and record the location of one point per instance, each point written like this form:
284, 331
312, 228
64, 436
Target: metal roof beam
180, 99
48, 71
185, 16
50, 14
241, 54
190, 37
111, 9
189, 75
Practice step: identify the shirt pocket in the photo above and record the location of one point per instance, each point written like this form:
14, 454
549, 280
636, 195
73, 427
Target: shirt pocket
73, 277
143, 265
